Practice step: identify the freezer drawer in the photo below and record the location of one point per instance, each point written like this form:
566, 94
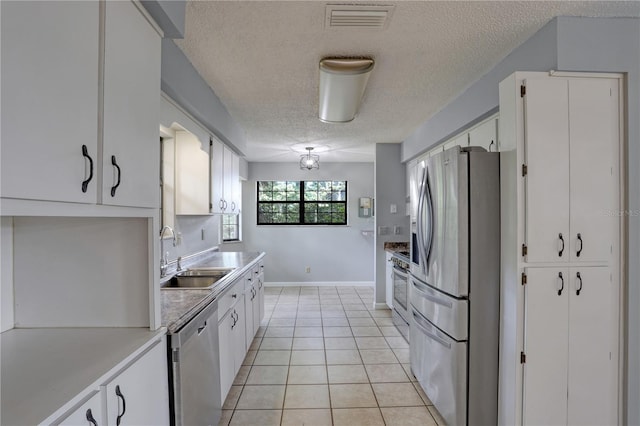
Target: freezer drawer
449, 314
440, 365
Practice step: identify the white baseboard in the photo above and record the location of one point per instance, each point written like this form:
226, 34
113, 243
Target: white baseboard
382, 305
321, 284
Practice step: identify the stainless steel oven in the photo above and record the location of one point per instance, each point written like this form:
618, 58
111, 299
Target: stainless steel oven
400, 279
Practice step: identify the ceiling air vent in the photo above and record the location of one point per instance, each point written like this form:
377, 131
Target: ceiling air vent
355, 16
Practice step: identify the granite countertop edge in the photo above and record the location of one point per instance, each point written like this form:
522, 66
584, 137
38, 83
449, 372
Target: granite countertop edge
179, 306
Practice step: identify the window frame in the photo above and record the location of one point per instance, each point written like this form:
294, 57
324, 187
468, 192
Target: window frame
301, 202
236, 225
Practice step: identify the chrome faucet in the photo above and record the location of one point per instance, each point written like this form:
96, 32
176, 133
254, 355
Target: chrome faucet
164, 260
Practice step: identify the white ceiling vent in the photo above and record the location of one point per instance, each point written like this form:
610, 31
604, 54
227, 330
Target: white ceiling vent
358, 16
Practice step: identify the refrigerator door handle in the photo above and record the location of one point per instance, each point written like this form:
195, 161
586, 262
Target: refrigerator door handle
424, 328
425, 292
420, 224
429, 237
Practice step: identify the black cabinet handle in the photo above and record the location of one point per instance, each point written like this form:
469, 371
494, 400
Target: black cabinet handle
85, 154
561, 283
233, 206
580, 249
490, 145
124, 405
114, 187
561, 248
221, 204
90, 418
579, 289
234, 295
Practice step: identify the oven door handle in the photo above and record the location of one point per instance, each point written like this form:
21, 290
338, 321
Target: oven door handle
426, 293
424, 328
401, 272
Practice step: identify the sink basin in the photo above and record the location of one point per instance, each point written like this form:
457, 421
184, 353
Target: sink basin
197, 278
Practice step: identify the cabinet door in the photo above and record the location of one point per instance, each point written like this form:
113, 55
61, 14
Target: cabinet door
140, 394
547, 180
217, 176
249, 301
485, 135
226, 348
389, 282
261, 290
462, 140
239, 336
192, 175
236, 188
49, 100
91, 409
594, 129
593, 343
228, 180
131, 108
546, 346
257, 318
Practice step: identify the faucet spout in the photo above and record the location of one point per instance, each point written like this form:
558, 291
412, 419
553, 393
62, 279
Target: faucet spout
164, 261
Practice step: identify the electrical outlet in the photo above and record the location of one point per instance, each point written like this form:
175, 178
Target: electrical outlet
383, 230
178, 238
308, 269
394, 208
397, 230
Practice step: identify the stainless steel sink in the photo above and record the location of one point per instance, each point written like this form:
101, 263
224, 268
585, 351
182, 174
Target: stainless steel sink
197, 278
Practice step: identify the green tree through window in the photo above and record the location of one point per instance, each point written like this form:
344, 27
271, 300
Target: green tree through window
302, 203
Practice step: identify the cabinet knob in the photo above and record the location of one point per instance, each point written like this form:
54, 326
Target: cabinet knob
85, 154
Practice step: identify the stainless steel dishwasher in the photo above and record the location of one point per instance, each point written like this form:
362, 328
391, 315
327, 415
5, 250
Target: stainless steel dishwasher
195, 372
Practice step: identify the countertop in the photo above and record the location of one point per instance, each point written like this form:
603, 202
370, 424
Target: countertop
46, 371
400, 249
179, 306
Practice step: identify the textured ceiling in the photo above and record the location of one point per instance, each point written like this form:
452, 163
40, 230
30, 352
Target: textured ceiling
261, 58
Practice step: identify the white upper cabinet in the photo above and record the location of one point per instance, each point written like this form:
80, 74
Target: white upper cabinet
594, 129
131, 108
461, 140
75, 116
485, 135
50, 100
546, 145
571, 156
225, 179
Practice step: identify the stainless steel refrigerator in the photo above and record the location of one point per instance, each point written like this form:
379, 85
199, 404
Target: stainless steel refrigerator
455, 280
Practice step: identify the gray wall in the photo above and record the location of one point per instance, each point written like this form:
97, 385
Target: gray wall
569, 44
191, 229
335, 254
480, 99
390, 188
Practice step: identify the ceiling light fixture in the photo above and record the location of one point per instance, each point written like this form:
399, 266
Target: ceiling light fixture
309, 161
342, 84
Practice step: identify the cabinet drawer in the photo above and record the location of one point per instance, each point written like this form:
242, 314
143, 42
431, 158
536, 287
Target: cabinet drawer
230, 298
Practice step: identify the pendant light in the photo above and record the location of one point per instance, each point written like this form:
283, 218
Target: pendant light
309, 161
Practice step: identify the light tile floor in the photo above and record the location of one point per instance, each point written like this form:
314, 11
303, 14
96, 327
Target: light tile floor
324, 356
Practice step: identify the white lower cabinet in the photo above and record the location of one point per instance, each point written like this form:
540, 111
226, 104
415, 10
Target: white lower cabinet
139, 395
89, 413
231, 342
570, 348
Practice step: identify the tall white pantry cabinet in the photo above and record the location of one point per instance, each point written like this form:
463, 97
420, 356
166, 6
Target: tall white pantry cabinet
561, 194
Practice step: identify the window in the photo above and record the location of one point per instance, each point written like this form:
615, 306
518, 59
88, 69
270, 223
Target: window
302, 203
230, 227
